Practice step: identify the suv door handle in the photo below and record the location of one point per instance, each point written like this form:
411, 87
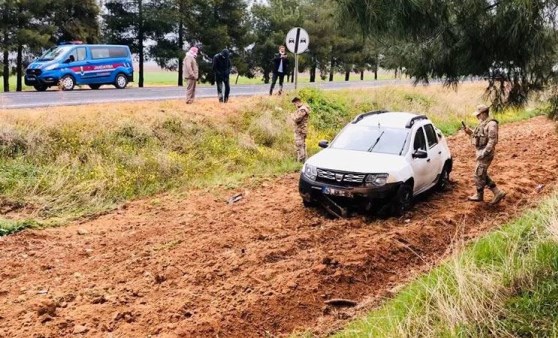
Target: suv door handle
428, 160
440, 152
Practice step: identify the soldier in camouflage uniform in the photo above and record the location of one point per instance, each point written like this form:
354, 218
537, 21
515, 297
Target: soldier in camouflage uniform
484, 138
300, 118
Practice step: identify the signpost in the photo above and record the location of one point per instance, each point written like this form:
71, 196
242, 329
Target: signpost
297, 42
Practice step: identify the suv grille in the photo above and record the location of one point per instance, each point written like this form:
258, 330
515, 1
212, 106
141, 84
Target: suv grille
340, 178
34, 72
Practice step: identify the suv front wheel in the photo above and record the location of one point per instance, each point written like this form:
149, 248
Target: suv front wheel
403, 200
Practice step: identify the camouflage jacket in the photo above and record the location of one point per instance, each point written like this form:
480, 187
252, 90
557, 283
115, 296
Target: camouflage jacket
485, 136
300, 118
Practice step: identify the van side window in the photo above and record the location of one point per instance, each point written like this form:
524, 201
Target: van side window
81, 54
99, 52
420, 141
118, 52
431, 135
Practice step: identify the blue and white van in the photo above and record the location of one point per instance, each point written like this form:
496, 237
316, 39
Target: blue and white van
74, 64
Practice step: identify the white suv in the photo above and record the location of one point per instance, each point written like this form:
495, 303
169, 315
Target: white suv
380, 159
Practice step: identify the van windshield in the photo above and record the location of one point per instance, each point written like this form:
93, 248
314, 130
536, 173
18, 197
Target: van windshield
55, 53
372, 139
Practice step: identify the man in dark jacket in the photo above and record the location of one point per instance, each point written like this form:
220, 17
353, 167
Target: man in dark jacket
222, 70
280, 68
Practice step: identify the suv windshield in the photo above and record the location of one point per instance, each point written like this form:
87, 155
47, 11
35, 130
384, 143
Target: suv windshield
372, 139
55, 53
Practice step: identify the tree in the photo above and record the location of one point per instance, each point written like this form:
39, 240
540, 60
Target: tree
510, 43
270, 22
131, 23
212, 25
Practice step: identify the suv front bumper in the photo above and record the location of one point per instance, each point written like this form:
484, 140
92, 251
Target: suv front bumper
312, 191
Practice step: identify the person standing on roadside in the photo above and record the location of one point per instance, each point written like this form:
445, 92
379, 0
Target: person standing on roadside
222, 70
484, 138
300, 118
191, 74
280, 68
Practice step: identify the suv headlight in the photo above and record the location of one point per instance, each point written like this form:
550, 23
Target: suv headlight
376, 180
310, 171
52, 66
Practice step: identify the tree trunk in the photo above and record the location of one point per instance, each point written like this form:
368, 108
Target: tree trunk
180, 47
347, 75
376, 67
237, 76
313, 67
396, 69
313, 73
19, 68
6, 74
362, 75
140, 42
266, 76
331, 69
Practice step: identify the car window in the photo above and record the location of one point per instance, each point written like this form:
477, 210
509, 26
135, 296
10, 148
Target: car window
81, 53
371, 139
431, 135
420, 141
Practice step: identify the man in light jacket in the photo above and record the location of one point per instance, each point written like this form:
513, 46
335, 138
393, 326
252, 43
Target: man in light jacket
191, 73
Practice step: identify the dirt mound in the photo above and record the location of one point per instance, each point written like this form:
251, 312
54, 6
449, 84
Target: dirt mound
199, 266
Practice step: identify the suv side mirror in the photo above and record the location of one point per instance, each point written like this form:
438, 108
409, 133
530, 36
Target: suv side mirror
419, 153
323, 144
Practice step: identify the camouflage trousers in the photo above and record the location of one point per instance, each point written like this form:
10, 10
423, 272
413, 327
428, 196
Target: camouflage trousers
300, 144
482, 179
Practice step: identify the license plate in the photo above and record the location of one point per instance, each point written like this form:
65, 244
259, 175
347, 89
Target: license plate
31, 78
336, 192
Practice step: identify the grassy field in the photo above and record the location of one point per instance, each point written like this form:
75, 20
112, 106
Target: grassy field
156, 78
502, 285
58, 164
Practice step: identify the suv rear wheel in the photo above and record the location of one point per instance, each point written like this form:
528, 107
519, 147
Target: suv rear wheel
443, 180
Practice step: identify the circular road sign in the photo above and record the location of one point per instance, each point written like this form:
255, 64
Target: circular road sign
297, 40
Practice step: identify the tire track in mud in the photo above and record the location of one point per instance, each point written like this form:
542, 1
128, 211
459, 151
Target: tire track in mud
196, 266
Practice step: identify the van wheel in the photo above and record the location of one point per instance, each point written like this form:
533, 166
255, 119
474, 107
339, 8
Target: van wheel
40, 88
403, 200
444, 180
95, 86
67, 83
121, 81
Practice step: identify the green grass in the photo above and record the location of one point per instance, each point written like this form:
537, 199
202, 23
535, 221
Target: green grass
167, 78
503, 285
62, 163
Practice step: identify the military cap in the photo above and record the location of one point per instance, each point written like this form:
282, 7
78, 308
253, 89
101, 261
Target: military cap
481, 108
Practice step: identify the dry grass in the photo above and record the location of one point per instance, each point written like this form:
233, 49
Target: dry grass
64, 162
503, 285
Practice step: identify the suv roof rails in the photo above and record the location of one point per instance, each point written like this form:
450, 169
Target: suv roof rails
363, 115
414, 119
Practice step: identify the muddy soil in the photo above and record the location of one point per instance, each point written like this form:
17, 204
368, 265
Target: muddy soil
196, 266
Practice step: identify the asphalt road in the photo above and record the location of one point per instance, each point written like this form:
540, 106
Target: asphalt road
110, 94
